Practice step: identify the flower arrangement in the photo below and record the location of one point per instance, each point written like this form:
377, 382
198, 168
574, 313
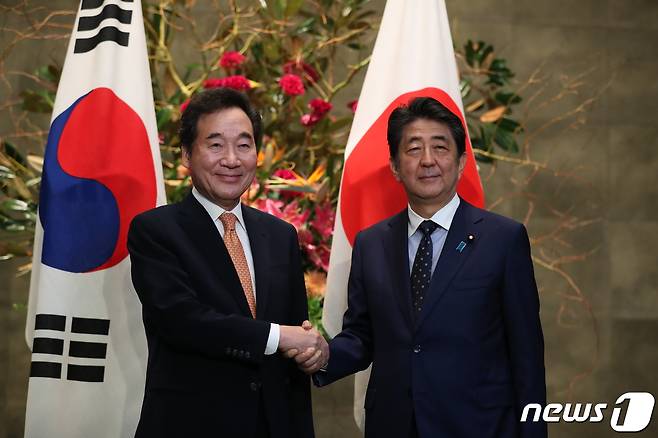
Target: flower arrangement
296, 66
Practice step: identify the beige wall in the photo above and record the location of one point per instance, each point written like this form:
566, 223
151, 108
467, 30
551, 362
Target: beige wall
617, 152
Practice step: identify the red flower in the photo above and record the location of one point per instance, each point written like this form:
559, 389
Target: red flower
237, 82
309, 119
231, 59
320, 107
292, 85
323, 222
184, 105
352, 105
301, 69
287, 174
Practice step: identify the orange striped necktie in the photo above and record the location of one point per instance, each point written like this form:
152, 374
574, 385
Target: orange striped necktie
236, 252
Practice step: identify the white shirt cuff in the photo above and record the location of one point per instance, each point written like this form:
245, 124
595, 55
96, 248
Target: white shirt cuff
273, 339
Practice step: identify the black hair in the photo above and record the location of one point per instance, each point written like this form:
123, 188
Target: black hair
213, 100
423, 108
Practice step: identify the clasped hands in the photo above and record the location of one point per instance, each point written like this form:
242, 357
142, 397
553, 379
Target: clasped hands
305, 345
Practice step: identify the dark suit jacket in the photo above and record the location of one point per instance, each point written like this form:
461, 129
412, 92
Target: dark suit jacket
207, 372
471, 360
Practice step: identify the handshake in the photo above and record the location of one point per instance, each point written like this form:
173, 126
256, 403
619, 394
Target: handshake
306, 345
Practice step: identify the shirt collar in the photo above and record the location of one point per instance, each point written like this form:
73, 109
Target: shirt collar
443, 217
214, 210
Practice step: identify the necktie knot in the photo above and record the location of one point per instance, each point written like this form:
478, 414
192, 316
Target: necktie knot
228, 220
428, 227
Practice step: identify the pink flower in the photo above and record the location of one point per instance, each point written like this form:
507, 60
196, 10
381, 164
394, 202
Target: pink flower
319, 256
352, 105
309, 119
237, 82
269, 206
231, 59
292, 85
305, 238
323, 222
301, 69
289, 213
320, 106
292, 215
184, 105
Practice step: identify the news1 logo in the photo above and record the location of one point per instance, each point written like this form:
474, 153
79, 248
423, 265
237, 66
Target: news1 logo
632, 412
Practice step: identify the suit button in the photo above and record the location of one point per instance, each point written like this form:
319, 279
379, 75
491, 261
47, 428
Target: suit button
254, 386
247, 355
417, 348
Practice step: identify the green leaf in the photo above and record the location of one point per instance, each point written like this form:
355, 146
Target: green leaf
509, 125
465, 87
469, 52
13, 152
507, 99
340, 123
305, 26
293, 6
271, 51
163, 117
37, 101
6, 173
15, 205
505, 139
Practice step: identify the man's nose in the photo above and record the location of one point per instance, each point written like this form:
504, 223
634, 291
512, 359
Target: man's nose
426, 158
230, 158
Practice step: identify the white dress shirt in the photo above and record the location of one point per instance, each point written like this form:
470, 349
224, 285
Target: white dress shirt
443, 218
215, 211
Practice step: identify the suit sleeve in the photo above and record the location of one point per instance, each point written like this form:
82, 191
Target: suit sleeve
172, 310
351, 349
524, 333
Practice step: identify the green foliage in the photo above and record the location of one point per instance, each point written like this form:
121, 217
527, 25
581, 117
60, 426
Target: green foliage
488, 101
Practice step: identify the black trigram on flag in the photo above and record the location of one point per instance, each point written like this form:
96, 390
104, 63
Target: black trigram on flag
105, 33
77, 350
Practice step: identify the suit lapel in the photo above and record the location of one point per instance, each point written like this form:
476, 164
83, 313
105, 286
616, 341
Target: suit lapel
259, 244
203, 234
451, 258
397, 243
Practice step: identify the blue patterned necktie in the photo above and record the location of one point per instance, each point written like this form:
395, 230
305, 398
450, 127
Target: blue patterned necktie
421, 272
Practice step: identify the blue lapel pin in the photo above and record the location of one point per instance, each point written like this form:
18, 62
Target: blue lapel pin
462, 244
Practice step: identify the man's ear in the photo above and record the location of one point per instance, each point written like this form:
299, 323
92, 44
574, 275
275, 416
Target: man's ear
186, 153
393, 164
462, 163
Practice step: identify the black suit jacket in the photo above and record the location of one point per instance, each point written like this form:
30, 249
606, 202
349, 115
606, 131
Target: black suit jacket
207, 373
469, 362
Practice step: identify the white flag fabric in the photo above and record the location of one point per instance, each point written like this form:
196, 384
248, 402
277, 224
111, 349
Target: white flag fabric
101, 168
413, 56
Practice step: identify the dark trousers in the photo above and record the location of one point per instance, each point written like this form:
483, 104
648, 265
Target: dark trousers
413, 429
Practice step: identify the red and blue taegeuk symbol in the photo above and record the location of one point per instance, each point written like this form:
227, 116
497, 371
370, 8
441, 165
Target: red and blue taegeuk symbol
98, 174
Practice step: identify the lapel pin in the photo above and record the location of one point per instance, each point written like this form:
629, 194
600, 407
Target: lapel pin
461, 246
471, 238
